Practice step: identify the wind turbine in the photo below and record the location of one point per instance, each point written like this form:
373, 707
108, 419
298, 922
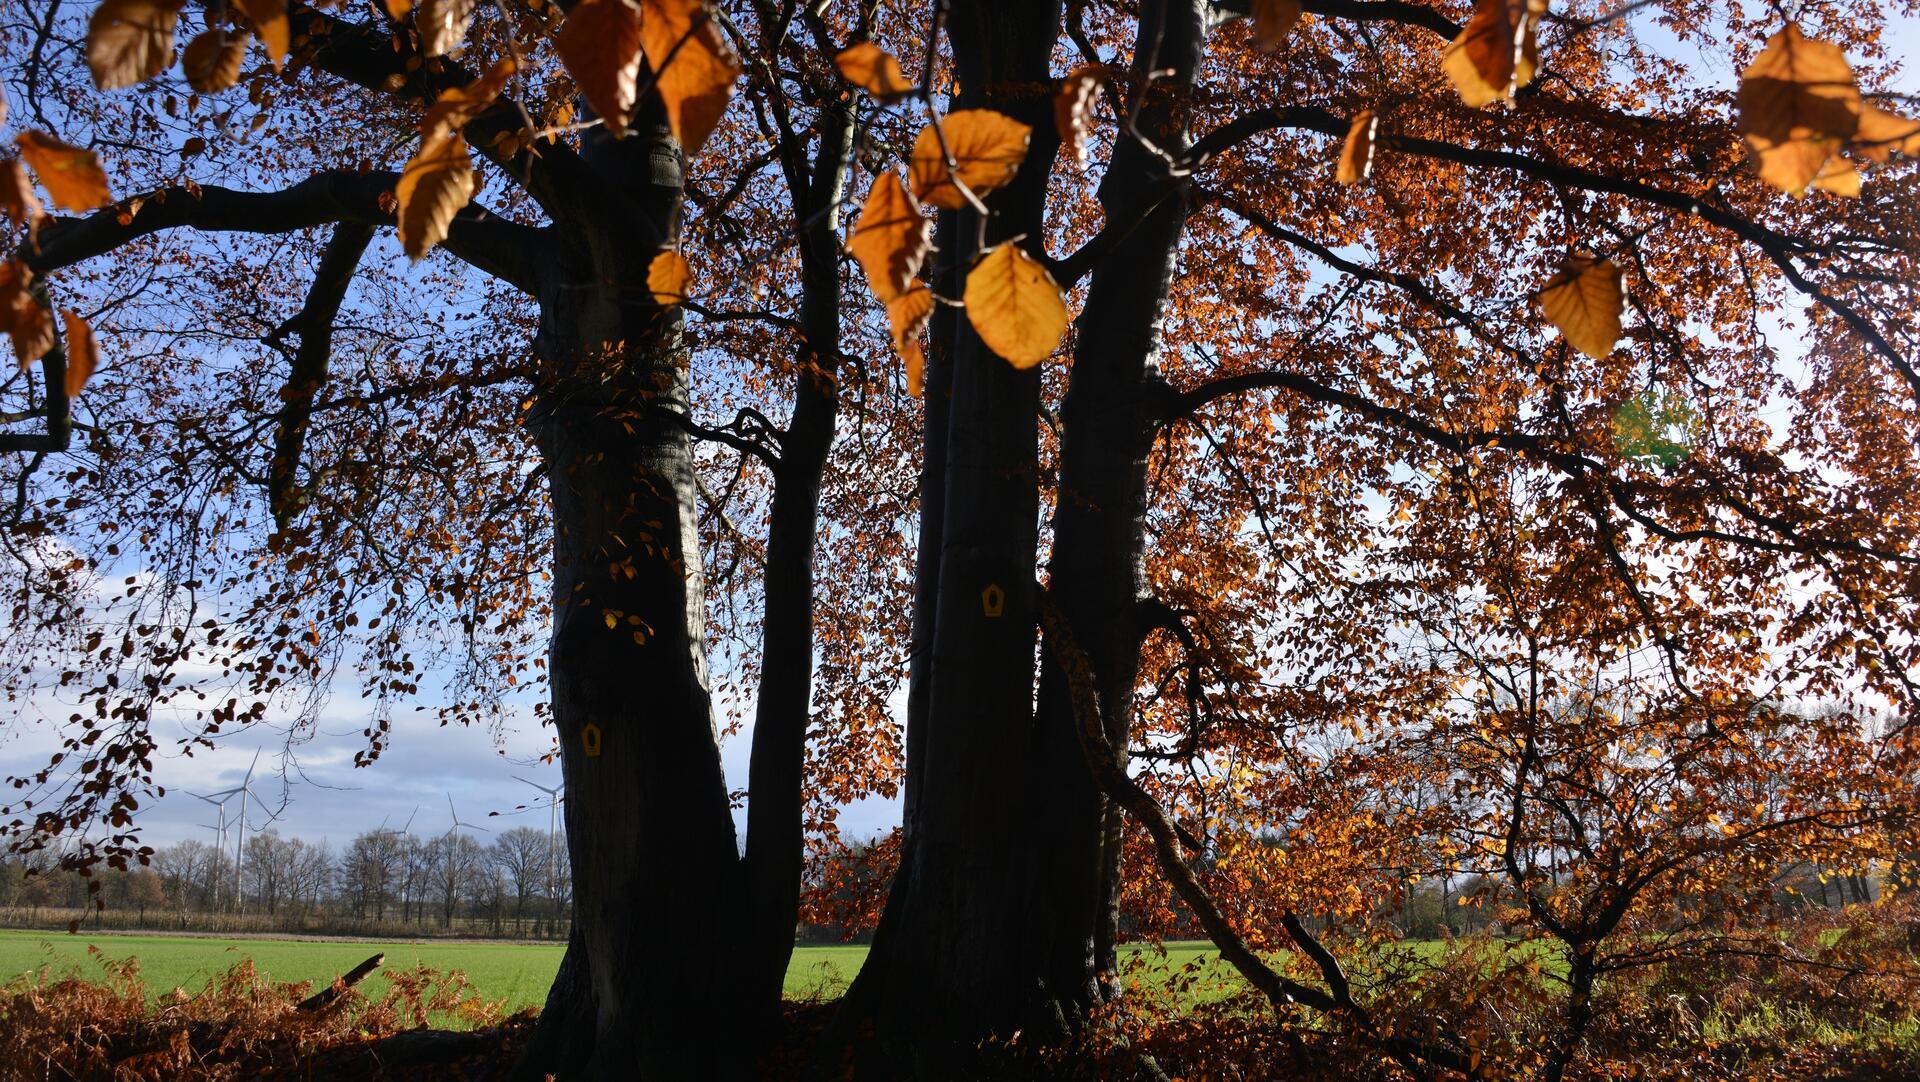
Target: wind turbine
219, 800
458, 822
554, 798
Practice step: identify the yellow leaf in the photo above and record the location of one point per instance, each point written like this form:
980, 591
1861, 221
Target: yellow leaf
600, 45
212, 59
1356, 154
1584, 301
988, 148
891, 238
436, 184
455, 108
1015, 307
1496, 53
907, 314
693, 68
442, 24
269, 20
16, 193
1882, 134
1273, 20
1073, 108
873, 70
1798, 106
668, 277
71, 175
130, 41
83, 353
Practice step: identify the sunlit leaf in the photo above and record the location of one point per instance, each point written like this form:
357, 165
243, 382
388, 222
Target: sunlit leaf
891, 238
1015, 307
436, 184
668, 278
1655, 427
1840, 177
71, 175
1798, 105
874, 70
1496, 52
1356, 153
1273, 20
1882, 134
456, 108
907, 315
212, 59
600, 45
442, 24
1073, 108
269, 20
83, 353
1584, 301
987, 148
693, 68
130, 41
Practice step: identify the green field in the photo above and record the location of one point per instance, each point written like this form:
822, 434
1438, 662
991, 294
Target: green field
517, 973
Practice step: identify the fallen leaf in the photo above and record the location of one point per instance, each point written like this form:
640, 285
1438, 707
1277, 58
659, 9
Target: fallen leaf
442, 24
456, 107
987, 146
1014, 306
1273, 20
1584, 301
269, 20
83, 353
891, 239
71, 175
436, 184
212, 59
600, 45
873, 70
668, 277
693, 68
130, 41
1356, 154
907, 314
1798, 105
1073, 108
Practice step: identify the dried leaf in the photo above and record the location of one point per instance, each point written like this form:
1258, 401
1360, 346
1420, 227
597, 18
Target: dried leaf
987, 146
1882, 134
1015, 306
130, 41
269, 20
21, 315
455, 108
1584, 301
15, 277
1073, 108
668, 277
874, 70
1798, 106
600, 45
1496, 52
1840, 177
83, 353
16, 193
212, 59
71, 175
1273, 20
693, 68
442, 24
891, 239
907, 314
1356, 154
436, 184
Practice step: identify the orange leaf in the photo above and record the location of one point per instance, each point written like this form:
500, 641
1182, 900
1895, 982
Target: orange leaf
907, 314
1882, 134
1073, 108
436, 184
987, 146
693, 68
1015, 306
455, 108
600, 45
1356, 154
1273, 20
442, 24
891, 238
269, 20
1839, 176
1496, 53
1584, 301
83, 353
1798, 106
397, 9
874, 70
16, 193
130, 41
71, 175
668, 277
212, 59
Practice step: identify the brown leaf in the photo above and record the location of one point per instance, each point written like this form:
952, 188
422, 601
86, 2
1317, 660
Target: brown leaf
442, 24
212, 59
1073, 108
1840, 177
269, 20
1356, 154
130, 41
1496, 52
600, 45
436, 184
71, 175
1584, 301
907, 314
15, 277
891, 239
1273, 20
1015, 307
987, 146
668, 278
1882, 134
16, 193
83, 353
693, 68
1798, 106
21, 314
873, 70
456, 107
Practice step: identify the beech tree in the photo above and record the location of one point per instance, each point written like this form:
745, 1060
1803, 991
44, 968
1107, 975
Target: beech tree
1296, 408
